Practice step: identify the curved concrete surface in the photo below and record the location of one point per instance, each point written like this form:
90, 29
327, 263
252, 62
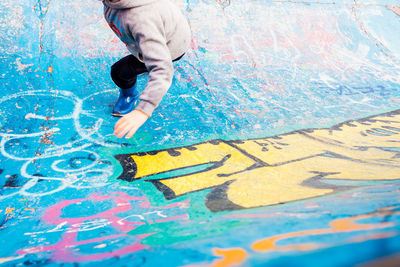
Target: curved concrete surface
278, 143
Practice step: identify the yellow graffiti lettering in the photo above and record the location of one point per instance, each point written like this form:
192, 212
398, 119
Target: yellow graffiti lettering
277, 169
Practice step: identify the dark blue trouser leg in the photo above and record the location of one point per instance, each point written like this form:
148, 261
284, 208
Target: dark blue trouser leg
124, 73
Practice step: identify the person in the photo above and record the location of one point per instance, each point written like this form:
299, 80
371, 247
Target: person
156, 33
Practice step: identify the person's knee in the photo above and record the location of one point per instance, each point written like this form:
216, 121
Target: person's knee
114, 71
122, 73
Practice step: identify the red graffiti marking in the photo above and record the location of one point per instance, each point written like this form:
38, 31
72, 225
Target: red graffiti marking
115, 29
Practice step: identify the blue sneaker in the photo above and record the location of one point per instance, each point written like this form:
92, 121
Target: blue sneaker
126, 101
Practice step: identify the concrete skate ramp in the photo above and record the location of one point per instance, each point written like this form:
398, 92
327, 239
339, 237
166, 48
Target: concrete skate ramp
278, 143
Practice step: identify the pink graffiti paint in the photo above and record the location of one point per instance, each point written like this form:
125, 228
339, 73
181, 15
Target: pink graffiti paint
122, 204
63, 249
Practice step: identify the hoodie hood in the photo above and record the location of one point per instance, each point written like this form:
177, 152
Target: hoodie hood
123, 4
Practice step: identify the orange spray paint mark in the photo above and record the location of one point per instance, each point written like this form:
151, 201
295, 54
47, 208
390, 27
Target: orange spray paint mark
395, 9
337, 226
230, 257
9, 210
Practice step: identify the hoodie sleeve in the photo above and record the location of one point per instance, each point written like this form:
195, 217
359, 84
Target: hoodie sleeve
150, 37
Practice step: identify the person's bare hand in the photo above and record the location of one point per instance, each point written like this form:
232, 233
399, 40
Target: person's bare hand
130, 123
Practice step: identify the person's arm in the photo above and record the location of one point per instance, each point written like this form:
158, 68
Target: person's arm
150, 37
152, 43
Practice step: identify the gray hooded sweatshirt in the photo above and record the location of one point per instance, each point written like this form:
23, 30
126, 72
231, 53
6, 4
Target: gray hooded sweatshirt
155, 32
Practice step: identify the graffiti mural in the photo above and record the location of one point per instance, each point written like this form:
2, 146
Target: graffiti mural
284, 168
276, 145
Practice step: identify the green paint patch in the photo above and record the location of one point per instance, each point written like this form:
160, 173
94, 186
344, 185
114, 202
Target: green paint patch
173, 232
